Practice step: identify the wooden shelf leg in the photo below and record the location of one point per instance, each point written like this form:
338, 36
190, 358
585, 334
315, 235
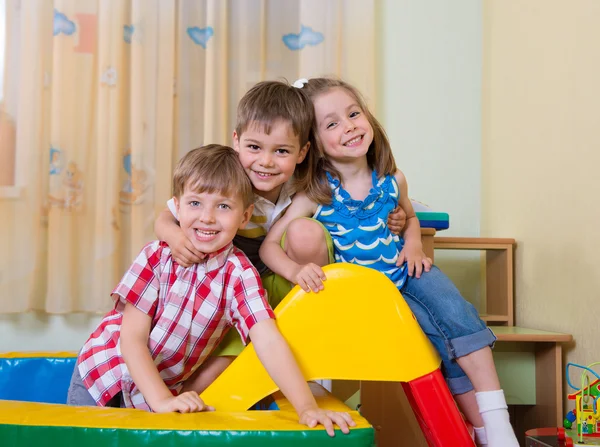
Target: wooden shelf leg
548, 411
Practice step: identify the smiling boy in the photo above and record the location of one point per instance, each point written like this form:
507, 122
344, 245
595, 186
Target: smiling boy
274, 121
167, 318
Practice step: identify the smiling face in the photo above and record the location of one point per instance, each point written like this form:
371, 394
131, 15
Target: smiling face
269, 159
343, 128
210, 219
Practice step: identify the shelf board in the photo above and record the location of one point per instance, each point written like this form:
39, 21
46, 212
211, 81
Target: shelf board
473, 243
475, 240
519, 334
496, 318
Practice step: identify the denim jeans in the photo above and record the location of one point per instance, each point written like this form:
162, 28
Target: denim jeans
450, 322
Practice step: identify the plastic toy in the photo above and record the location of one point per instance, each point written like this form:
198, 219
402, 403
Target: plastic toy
586, 415
581, 426
429, 218
346, 331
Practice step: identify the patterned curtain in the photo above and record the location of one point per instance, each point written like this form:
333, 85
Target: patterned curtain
100, 98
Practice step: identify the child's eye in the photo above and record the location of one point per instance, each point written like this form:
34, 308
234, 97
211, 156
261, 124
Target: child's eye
282, 151
330, 125
253, 147
354, 114
224, 206
194, 203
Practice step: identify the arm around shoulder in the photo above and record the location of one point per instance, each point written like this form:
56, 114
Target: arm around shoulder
167, 229
165, 224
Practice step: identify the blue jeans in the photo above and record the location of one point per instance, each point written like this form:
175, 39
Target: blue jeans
450, 322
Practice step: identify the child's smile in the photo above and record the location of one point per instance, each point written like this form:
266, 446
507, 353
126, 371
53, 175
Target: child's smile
210, 220
343, 129
206, 235
354, 141
269, 159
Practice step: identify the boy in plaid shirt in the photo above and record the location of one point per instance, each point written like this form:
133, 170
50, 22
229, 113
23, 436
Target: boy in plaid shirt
168, 318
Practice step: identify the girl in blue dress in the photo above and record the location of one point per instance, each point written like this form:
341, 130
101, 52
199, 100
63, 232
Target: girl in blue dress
349, 185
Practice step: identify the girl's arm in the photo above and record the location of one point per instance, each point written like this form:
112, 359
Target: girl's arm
135, 330
167, 229
309, 276
412, 252
277, 358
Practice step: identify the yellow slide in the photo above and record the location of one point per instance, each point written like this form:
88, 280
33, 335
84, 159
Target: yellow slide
358, 328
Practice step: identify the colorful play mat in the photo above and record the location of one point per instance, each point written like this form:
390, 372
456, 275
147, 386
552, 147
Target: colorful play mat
34, 386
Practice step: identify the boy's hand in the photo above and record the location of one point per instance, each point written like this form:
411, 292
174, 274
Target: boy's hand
327, 418
184, 252
310, 277
416, 260
396, 220
188, 402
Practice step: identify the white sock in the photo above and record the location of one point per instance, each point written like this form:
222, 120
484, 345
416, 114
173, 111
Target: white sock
494, 412
480, 437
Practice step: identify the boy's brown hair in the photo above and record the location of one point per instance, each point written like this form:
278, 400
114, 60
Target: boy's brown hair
270, 101
311, 174
213, 169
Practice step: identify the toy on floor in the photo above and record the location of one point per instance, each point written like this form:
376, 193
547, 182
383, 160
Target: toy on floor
581, 426
586, 414
345, 332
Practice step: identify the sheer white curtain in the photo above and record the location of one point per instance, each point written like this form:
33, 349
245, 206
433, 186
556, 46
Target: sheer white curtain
99, 99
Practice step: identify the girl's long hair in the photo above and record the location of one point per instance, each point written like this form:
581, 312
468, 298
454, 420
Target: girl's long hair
311, 174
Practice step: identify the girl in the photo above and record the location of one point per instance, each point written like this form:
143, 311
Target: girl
350, 185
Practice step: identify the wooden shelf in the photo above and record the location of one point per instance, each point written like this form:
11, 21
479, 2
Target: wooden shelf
473, 243
519, 334
499, 284
494, 318
526, 356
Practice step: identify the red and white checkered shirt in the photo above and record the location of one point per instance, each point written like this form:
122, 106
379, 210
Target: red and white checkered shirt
191, 308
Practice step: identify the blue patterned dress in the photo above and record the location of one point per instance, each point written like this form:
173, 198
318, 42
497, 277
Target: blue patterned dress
361, 236
359, 227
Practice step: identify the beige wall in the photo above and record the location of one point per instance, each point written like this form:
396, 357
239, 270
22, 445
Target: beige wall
429, 100
541, 156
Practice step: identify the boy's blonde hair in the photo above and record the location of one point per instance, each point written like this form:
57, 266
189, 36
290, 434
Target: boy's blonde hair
270, 101
311, 176
213, 169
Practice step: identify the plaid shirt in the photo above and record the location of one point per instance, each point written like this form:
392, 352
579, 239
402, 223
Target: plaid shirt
191, 308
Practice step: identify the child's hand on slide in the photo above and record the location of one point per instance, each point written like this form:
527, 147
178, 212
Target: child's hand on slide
416, 260
188, 402
311, 418
184, 252
396, 220
310, 277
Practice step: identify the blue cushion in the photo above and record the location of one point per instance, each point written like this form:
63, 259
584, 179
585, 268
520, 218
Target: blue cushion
36, 379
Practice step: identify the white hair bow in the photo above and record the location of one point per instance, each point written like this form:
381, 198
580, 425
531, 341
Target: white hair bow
300, 83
